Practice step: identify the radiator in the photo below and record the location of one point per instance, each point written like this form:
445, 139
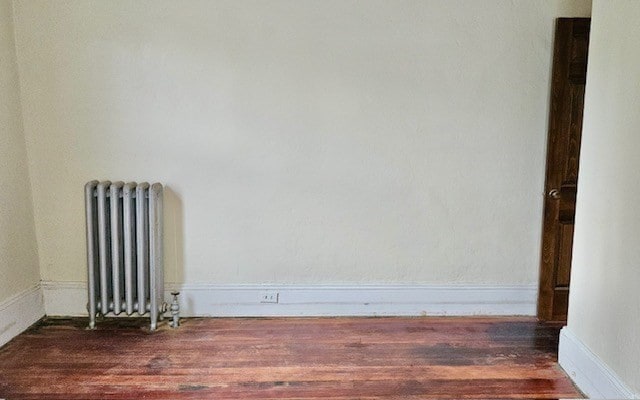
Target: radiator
124, 250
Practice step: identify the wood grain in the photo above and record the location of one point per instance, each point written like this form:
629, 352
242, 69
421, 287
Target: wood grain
286, 358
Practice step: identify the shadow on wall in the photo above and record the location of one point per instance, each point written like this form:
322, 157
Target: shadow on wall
173, 240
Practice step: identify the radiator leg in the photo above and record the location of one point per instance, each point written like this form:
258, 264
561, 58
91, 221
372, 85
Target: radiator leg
175, 310
92, 318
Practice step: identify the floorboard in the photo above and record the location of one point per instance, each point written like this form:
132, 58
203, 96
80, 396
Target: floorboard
286, 358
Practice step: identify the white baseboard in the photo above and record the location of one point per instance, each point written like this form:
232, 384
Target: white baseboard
64, 298
19, 312
589, 373
70, 298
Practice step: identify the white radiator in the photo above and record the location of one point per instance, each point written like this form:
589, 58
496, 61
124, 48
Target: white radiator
124, 249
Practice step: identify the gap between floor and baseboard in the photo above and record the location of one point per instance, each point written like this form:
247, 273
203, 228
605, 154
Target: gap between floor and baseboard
70, 298
588, 371
20, 311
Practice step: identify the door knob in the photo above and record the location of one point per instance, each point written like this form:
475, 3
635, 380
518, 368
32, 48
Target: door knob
554, 194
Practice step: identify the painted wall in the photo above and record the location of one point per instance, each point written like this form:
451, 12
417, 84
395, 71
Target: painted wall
18, 253
604, 306
300, 141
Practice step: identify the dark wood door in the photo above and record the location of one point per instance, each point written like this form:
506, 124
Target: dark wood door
563, 151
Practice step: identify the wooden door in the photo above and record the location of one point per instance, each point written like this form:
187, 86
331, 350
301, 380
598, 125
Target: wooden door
563, 151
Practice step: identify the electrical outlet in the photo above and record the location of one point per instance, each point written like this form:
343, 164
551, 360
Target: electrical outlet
269, 297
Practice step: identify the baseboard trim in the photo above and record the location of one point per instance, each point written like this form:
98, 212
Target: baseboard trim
65, 298
590, 373
69, 298
19, 312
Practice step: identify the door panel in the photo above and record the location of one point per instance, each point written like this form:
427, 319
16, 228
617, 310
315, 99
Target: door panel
565, 242
563, 158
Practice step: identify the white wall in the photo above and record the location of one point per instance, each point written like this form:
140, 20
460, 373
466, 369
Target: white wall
21, 301
604, 307
18, 252
301, 141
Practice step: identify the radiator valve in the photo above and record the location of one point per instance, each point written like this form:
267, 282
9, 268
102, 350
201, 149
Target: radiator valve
175, 310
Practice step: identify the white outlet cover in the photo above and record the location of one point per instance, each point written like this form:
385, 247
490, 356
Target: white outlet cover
269, 297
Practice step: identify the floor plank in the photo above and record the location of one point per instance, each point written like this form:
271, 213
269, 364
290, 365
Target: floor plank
286, 358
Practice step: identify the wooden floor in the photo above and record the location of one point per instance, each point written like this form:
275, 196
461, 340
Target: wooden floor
280, 358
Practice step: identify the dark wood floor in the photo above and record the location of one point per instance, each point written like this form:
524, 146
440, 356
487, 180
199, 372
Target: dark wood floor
280, 358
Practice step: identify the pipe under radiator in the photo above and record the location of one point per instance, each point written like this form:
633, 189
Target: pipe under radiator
124, 249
